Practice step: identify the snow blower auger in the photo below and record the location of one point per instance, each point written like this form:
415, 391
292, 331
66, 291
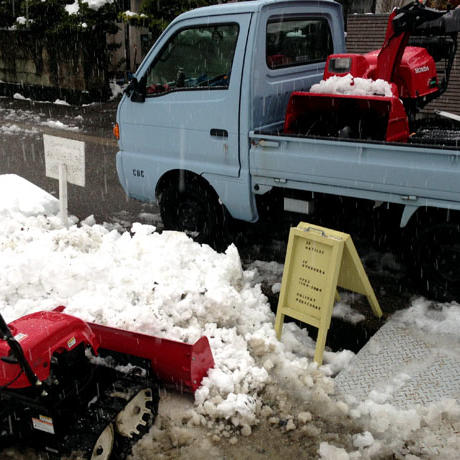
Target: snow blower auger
67, 386
377, 95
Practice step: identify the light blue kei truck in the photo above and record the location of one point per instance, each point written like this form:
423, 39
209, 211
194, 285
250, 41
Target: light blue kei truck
201, 132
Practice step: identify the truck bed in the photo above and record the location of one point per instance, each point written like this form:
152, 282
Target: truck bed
414, 174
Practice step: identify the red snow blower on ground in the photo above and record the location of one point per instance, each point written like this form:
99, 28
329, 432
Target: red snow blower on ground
70, 386
410, 70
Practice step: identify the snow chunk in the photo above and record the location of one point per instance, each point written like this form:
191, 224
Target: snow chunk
20, 97
329, 452
61, 102
362, 440
96, 4
222, 381
73, 8
348, 85
116, 89
345, 312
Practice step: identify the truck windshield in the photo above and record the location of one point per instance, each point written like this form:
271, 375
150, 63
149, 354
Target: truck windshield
194, 58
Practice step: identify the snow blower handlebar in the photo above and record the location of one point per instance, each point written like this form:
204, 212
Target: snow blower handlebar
17, 353
402, 24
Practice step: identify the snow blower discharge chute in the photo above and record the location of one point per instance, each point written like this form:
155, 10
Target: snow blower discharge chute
377, 95
71, 386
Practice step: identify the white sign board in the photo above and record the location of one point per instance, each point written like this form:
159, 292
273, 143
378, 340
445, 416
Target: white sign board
68, 152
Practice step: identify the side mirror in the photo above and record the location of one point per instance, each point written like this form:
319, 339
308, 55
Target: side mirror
136, 89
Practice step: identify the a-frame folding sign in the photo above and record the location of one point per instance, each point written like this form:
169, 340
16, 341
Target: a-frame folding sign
318, 260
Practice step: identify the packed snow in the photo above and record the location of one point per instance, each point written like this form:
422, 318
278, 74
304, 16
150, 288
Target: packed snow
59, 125
169, 286
354, 86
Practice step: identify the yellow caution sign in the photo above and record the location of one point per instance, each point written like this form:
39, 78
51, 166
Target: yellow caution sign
318, 260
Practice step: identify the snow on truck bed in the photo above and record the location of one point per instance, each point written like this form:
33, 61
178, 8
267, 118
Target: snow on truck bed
353, 86
169, 286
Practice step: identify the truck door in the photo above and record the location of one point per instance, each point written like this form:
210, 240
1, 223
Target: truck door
190, 117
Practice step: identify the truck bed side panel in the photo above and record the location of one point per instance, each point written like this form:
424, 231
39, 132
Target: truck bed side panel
396, 173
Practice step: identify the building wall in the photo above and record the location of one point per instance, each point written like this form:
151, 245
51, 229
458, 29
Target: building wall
70, 64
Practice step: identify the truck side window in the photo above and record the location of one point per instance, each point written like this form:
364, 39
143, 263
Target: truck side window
194, 58
297, 41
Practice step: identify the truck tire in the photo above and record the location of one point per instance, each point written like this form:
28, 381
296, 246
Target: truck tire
437, 261
192, 207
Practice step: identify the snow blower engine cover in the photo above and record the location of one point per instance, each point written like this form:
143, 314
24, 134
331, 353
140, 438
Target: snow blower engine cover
41, 335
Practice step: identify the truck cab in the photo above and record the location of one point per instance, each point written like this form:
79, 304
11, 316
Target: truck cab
215, 75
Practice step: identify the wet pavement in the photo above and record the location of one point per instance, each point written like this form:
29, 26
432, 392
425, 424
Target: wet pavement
22, 125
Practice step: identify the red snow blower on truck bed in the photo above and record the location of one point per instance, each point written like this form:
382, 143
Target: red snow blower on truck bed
71, 386
410, 71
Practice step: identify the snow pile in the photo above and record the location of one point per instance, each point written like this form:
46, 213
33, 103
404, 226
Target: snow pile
348, 85
165, 285
432, 431
20, 197
432, 317
169, 286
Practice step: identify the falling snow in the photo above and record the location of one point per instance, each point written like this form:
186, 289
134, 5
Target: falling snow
169, 286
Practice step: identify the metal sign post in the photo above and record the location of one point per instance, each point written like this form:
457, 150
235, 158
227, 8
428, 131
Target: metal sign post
63, 202
317, 261
65, 161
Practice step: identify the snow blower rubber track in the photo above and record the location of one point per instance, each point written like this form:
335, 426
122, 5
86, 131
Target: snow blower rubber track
71, 420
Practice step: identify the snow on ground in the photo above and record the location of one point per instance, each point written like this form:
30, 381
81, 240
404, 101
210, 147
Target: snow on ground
14, 116
20, 97
59, 125
353, 86
433, 318
14, 129
169, 286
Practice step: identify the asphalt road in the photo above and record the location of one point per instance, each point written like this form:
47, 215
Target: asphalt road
22, 125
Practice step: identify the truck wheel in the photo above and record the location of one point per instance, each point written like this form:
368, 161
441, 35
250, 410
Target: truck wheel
438, 261
193, 208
